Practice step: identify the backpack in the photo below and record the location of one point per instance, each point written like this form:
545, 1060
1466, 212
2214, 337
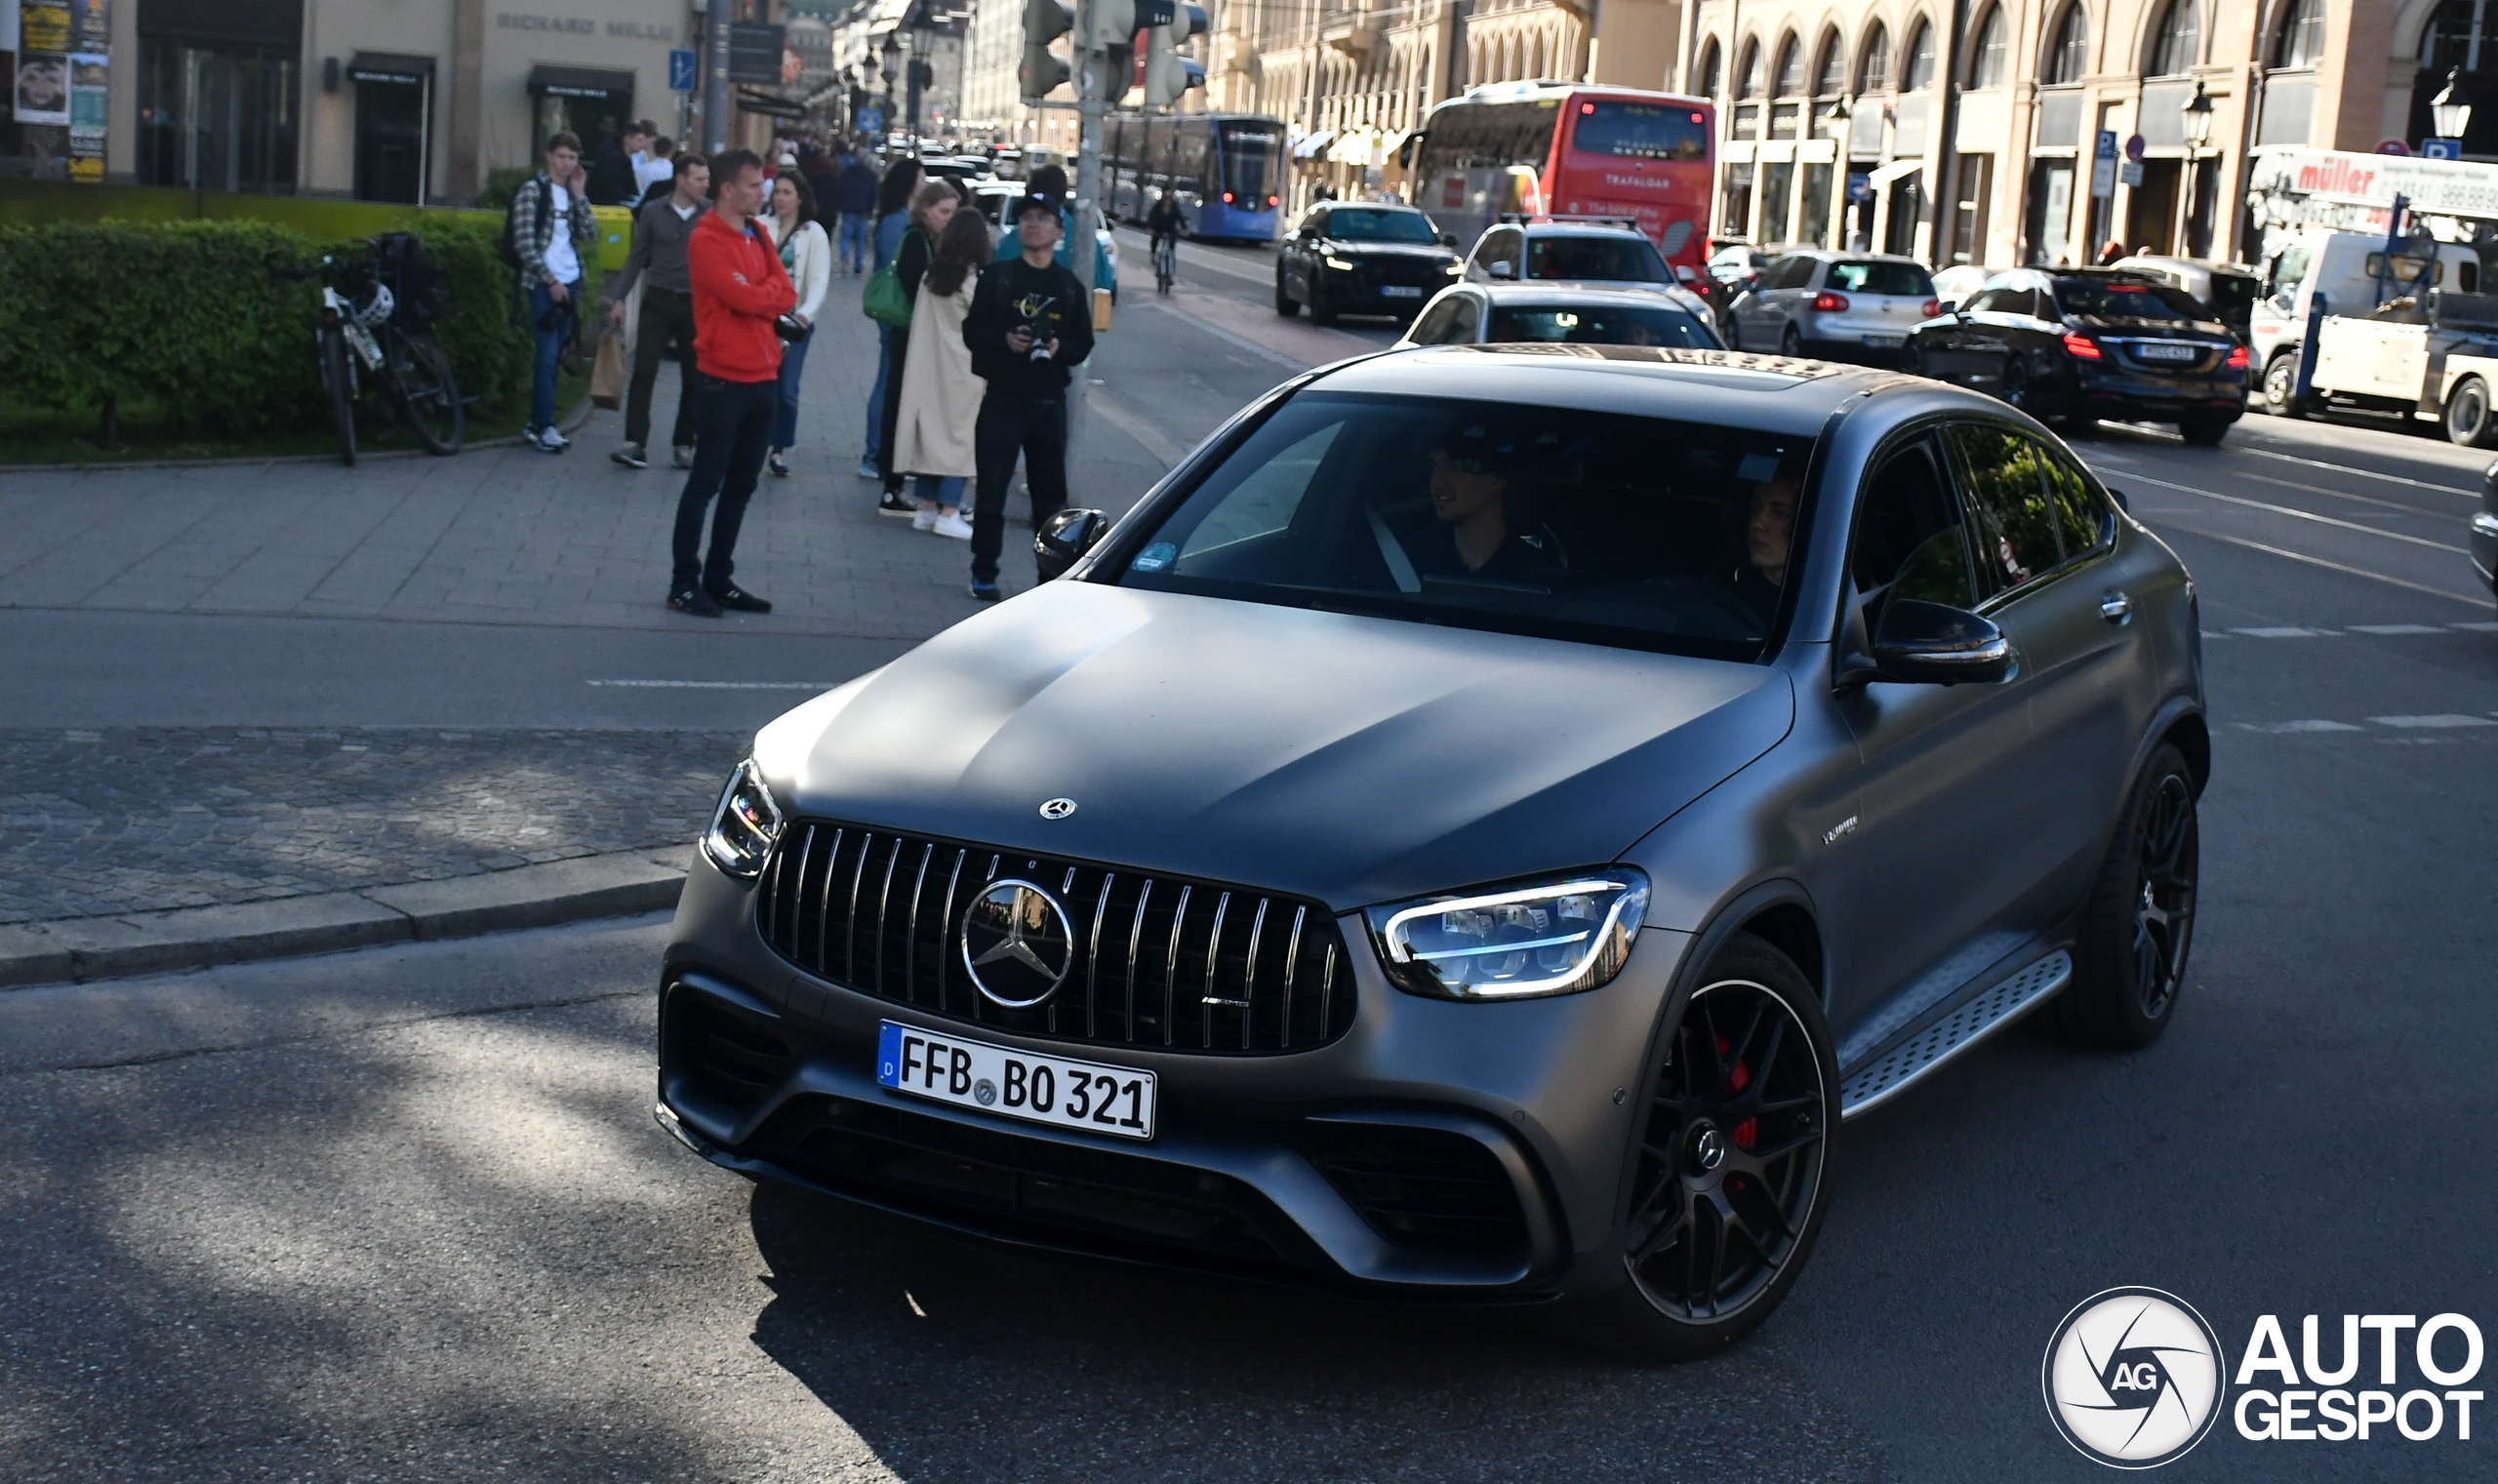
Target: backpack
416, 286
509, 244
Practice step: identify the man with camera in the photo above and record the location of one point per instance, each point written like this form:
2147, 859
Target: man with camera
741, 295
1030, 323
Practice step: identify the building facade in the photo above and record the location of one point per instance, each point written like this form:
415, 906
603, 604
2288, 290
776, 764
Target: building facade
1970, 133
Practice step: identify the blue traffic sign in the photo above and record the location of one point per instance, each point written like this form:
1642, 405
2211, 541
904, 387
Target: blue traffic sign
682, 71
2441, 149
2106, 144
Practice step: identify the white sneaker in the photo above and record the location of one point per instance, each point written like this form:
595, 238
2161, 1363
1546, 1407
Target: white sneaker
925, 520
552, 441
954, 526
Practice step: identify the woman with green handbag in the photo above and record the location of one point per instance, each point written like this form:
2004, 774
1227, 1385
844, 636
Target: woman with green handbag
893, 218
930, 210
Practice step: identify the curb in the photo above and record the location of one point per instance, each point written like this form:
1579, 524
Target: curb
572, 425
85, 949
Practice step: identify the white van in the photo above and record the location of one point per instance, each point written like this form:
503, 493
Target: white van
2345, 267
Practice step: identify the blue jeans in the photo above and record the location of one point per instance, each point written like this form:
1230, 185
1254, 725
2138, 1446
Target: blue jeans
944, 489
543, 313
876, 394
793, 364
857, 231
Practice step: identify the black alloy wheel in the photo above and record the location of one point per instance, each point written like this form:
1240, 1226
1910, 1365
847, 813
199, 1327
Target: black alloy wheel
2014, 385
2468, 419
2140, 926
1285, 304
1734, 1148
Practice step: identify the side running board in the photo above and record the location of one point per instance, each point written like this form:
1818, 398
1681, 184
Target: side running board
1900, 1068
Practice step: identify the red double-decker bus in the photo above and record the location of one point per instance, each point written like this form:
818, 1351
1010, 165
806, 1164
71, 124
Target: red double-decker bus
1565, 149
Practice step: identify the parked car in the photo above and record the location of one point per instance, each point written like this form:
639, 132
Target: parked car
2074, 343
1555, 250
1841, 305
1959, 283
1732, 270
2228, 289
1435, 848
1557, 314
1363, 258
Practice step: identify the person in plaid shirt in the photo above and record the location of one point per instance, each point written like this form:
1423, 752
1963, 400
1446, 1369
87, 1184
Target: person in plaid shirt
551, 232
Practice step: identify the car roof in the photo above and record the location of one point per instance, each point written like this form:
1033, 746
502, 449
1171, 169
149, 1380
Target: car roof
1735, 388
1368, 205
1566, 291
1546, 228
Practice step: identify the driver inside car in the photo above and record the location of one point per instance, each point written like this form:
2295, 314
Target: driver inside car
1470, 478
1769, 532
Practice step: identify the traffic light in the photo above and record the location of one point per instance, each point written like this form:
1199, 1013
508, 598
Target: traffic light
1109, 24
1167, 73
1044, 70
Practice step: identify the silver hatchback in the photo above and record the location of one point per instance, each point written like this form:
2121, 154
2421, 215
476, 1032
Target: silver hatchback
1838, 305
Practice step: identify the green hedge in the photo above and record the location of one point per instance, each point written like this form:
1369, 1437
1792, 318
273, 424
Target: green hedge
188, 316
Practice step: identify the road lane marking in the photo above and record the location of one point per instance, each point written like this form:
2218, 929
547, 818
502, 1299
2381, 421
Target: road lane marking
2397, 628
2366, 500
717, 685
2344, 468
2280, 728
2437, 719
2318, 561
2323, 520
2285, 633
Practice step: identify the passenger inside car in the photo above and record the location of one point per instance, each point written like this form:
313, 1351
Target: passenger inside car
1470, 476
1769, 532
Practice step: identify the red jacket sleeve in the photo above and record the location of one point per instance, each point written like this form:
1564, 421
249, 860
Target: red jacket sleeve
713, 263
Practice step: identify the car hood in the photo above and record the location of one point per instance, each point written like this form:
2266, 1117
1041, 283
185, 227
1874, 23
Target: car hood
1421, 251
1346, 758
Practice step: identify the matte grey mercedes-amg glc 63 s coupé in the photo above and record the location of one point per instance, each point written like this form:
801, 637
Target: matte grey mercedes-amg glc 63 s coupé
1470, 833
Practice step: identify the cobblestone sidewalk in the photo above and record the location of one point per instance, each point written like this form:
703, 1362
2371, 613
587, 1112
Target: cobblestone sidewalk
96, 824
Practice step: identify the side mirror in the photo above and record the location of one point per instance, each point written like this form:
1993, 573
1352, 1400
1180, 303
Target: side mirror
1448, 239
1925, 643
1064, 538
1948, 307
1501, 267
2119, 496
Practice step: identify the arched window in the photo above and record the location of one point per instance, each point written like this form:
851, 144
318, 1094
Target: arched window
1747, 71
2069, 55
1790, 68
2178, 44
1919, 75
1830, 73
1874, 63
2301, 43
1986, 55
1712, 70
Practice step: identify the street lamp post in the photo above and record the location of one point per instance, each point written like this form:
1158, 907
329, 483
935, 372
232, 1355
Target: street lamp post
923, 37
2451, 109
2198, 128
891, 59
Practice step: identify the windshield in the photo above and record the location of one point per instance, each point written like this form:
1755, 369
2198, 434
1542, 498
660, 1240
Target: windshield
1595, 527
2234, 294
1606, 259
1600, 325
1904, 279
1249, 153
1640, 131
2106, 299
1363, 225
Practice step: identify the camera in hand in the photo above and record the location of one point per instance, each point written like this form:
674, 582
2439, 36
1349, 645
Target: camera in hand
788, 329
1039, 330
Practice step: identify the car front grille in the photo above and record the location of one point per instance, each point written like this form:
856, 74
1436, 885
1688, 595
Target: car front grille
1159, 960
726, 1056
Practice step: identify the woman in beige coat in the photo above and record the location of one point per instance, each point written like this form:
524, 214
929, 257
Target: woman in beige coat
939, 396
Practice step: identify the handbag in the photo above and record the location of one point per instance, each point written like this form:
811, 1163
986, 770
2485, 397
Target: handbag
883, 299
607, 373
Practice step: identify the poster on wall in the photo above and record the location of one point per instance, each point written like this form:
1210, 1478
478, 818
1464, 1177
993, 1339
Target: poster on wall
90, 26
43, 25
89, 82
42, 88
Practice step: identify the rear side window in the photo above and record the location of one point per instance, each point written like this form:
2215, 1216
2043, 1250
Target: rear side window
1433, 327
1609, 260
1909, 538
2015, 538
1905, 279
2083, 517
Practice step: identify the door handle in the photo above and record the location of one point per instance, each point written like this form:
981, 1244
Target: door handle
2115, 607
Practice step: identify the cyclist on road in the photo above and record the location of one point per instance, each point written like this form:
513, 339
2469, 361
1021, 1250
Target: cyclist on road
1162, 225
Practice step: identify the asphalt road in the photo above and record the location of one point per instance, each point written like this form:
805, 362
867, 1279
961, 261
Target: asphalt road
404, 1214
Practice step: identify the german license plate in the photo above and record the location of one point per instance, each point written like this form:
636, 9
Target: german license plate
1887, 341
2168, 352
1399, 291
1057, 1090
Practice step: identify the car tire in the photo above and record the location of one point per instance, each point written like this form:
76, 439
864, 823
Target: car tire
1790, 342
2281, 385
1321, 312
2129, 964
1285, 304
1913, 360
1734, 332
2205, 432
2469, 419
1748, 1061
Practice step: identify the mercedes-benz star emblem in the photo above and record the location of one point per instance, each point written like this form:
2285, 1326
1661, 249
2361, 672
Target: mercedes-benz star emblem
1017, 943
1058, 809
1709, 1148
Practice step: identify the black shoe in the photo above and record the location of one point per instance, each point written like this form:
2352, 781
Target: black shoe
778, 465
734, 596
694, 600
895, 503
632, 457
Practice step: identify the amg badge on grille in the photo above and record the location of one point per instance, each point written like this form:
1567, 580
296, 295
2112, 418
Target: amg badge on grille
1017, 945
1058, 809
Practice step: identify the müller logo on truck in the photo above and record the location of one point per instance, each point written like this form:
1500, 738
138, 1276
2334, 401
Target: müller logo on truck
2336, 177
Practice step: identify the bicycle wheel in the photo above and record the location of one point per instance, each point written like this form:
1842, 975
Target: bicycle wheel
427, 395
337, 383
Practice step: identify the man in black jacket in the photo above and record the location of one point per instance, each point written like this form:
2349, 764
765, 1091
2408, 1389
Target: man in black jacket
611, 176
1030, 322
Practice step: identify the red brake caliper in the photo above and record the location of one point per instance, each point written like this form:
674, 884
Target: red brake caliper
1749, 1130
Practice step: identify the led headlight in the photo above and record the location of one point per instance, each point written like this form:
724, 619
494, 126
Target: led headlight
1453, 268
745, 825
1551, 938
1340, 264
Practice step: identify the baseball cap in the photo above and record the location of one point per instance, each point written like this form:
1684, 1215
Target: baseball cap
1035, 203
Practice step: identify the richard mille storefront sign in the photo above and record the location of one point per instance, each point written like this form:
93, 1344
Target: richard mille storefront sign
584, 25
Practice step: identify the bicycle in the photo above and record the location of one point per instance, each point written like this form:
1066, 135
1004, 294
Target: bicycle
373, 338
1166, 264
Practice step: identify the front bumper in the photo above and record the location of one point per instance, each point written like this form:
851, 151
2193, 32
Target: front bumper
2485, 546
1438, 1150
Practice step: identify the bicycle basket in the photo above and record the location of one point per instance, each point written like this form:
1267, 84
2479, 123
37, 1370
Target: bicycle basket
421, 290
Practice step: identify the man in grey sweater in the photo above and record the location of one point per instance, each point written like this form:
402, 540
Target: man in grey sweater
657, 261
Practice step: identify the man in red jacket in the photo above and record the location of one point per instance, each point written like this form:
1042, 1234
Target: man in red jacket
738, 290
